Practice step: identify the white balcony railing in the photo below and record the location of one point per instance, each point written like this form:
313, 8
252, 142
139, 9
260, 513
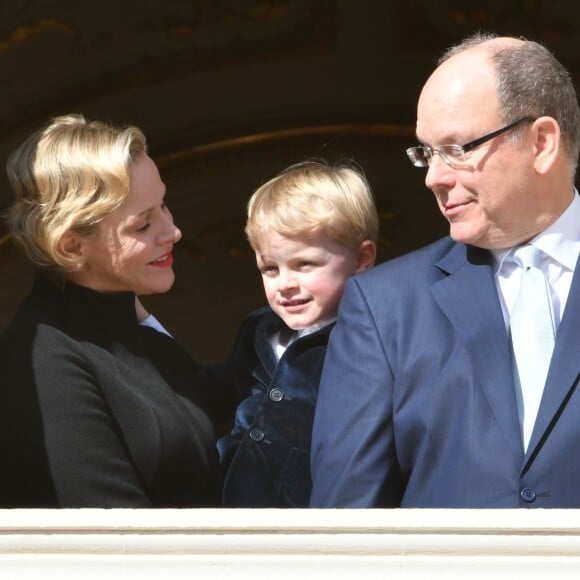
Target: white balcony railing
289, 544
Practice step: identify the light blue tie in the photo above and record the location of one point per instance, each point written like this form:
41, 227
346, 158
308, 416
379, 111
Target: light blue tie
532, 333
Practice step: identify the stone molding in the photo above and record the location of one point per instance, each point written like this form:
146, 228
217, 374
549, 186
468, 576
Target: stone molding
281, 544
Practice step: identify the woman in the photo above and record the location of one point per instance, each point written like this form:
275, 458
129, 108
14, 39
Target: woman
90, 414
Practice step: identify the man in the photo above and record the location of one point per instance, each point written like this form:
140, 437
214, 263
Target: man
423, 402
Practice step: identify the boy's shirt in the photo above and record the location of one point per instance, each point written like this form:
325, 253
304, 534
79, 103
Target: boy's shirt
283, 338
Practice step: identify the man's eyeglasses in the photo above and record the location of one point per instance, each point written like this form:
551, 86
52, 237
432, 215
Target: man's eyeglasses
454, 154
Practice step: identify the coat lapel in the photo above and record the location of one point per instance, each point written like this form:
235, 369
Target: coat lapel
564, 373
468, 297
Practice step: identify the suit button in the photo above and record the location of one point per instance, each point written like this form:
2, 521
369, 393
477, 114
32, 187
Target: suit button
528, 495
257, 434
276, 395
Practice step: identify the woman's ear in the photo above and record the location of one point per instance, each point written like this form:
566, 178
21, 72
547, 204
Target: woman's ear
547, 143
70, 246
366, 256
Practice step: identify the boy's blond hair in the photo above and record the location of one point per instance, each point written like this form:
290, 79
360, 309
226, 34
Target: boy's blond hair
313, 197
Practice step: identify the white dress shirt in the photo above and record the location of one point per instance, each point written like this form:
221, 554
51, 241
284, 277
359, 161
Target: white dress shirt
560, 246
281, 341
153, 323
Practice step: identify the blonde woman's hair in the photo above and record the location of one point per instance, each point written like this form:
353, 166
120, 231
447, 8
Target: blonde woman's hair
313, 197
67, 177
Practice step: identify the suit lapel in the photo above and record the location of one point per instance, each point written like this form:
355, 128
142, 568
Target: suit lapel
564, 372
468, 297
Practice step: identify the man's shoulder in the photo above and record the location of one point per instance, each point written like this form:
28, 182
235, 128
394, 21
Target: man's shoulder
415, 263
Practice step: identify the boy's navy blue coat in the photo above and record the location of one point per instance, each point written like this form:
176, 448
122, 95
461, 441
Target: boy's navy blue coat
267, 455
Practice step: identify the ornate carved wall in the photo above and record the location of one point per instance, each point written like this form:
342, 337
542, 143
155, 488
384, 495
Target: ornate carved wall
229, 92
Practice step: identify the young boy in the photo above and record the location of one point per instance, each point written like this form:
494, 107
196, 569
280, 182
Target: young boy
312, 227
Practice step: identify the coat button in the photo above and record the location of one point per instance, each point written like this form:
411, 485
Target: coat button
276, 395
257, 434
528, 495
